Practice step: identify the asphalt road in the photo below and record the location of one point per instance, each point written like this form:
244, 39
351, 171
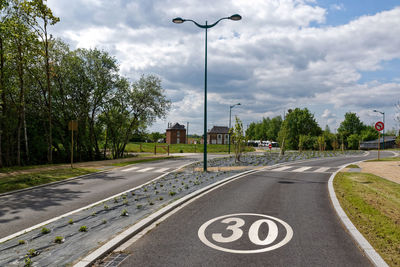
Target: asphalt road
298, 196
19, 211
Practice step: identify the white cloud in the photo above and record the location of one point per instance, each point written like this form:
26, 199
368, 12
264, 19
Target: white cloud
274, 59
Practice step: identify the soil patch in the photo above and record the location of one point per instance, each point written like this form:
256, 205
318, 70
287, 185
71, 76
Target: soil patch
389, 170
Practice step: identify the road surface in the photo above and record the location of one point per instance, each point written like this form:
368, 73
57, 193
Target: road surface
19, 211
285, 213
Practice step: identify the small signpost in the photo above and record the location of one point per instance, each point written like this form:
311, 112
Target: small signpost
379, 126
270, 146
72, 126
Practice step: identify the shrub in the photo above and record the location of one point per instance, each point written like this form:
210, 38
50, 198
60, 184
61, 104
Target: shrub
71, 221
83, 228
172, 193
21, 242
124, 212
58, 239
45, 230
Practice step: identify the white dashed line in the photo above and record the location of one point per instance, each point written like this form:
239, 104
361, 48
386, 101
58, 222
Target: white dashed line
302, 169
322, 169
145, 169
130, 169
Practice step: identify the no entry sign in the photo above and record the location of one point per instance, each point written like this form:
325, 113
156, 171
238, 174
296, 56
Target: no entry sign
270, 146
379, 126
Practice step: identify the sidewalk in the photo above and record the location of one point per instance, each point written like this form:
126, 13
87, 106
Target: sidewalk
389, 170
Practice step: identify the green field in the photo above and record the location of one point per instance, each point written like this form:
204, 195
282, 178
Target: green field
180, 148
21, 181
373, 205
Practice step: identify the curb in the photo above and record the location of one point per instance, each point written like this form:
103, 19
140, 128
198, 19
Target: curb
138, 227
362, 243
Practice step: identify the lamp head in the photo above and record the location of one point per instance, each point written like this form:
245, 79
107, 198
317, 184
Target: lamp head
235, 17
238, 104
178, 20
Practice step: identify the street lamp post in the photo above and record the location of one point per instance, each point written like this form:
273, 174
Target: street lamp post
230, 117
383, 136
206, 27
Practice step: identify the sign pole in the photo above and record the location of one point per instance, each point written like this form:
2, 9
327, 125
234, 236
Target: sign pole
379, 143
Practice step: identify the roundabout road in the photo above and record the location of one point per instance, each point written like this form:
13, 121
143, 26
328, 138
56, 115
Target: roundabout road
277, 217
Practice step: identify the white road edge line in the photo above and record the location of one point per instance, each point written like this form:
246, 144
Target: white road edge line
371, 253
83, 208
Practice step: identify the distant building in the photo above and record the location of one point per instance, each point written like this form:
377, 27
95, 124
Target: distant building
390, 142
176, 134
218, 135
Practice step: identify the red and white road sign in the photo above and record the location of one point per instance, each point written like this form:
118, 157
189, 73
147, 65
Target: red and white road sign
379, 126
270, 146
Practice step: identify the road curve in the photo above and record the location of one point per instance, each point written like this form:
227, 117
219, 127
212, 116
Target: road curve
296, 195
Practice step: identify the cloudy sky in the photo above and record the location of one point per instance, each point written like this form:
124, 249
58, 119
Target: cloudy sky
329, 56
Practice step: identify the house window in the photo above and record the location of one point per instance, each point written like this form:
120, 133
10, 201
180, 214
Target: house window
178, 133
177, 140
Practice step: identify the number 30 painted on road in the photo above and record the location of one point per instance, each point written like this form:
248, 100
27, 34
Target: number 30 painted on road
237, 232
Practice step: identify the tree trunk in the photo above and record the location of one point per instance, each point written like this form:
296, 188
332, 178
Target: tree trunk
3, 99
21, 102
50, 137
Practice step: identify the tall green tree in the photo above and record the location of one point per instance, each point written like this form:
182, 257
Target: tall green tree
238, 138
297, 122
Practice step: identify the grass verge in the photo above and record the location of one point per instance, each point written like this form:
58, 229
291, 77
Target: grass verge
21, 181
352, 166
373, 205
384, 159
121, 164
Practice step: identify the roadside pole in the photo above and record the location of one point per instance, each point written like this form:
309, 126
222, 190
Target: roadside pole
72, 126
379, 126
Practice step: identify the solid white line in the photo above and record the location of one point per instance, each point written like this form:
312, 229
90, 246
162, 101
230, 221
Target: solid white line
130, 169
146, 169
161, 170
302, 169
371, 253
322, 169
282, 168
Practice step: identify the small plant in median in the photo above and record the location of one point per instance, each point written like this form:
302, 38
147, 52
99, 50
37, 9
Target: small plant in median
27, 261
83, 228
21, 242
124, 212
58, 239
71, 221
45, 230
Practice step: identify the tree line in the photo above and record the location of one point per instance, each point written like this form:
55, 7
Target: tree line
300, 130
44, 85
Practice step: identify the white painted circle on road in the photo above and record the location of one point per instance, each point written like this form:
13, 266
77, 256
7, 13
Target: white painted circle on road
234, 223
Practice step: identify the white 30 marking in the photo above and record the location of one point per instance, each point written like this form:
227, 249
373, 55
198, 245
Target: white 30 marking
236, 231
254, 229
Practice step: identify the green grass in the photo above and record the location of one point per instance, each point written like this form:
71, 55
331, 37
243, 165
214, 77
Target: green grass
22, 168
178, 148
373, 205
353, 166
385, 159
21, 181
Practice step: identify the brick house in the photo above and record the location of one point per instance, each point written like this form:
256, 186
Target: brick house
176, 134
218, 135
